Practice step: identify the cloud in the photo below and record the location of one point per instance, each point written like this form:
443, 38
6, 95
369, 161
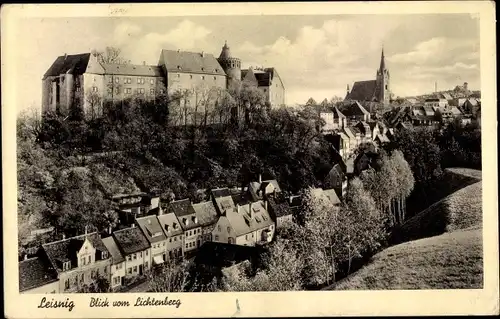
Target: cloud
125, 32
187, 35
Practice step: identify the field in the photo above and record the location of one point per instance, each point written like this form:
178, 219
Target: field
442, 246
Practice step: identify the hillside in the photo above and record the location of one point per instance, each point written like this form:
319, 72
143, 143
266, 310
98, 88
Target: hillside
450, 259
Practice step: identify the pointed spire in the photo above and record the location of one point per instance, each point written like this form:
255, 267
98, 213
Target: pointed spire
382, 60
225, 53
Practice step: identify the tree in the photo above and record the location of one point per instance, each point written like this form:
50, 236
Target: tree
170, 277
111, 55
98, 285
94, 105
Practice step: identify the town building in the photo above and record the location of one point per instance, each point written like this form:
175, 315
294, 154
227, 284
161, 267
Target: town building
117, 263
78, 261
262, 189
81, 84
207, 217
377, 90
37, 276
354, 112
247, 225
173, 230
153, 231
136, 250
189, 223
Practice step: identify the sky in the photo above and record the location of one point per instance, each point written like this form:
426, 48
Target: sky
316, 55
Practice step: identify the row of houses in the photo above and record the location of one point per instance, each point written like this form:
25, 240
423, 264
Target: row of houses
153, 233
349, 125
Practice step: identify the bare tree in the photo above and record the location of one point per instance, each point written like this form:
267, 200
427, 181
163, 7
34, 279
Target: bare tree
111, 55
94, 105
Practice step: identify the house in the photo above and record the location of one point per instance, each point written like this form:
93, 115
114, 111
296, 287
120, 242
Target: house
37, 276
173, 230
424, 115
189, 223
334, 120
354, 112
263, 189
271, 85
153, 231
337, 179
207, 217
280, 210
434, 101
78, 261
247, 225
365, 161
222, 198
117, 263
136, 250
365, 130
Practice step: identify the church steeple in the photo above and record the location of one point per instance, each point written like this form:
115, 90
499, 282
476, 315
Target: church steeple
382, 61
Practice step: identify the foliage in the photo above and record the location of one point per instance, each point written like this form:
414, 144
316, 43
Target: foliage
98, 285
111, 55
170, 277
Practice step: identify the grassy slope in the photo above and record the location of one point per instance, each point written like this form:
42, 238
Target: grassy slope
450, 260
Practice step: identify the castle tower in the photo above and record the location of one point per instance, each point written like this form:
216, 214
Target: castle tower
232, 67
383, 81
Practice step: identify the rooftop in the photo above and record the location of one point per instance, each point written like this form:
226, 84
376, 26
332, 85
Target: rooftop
131, 240
35, 272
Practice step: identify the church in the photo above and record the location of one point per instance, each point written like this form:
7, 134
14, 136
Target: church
377, 90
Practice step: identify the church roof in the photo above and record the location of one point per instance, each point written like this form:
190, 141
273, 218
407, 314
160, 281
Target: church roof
382, 61
190, 62
362, 90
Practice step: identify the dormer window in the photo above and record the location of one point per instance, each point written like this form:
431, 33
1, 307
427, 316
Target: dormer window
166, 227
194, 219
174, 225
66, 265
179, 67
186, 221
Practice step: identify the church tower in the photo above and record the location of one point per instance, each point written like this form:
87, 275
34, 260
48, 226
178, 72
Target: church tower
383, 92
232, 67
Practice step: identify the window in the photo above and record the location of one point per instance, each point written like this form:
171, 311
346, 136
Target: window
170, 240
110, 90
92, 274
191, 76
105, 270
130, 270
117, 80
140, 81
82, 261
140, 254
129, 257
161, 91
175, 238
146, 252
216, 237
117, 91
110, 80
135, 268
228, 229
152, 91
215, 78
203, 77
90, 259
128, 80
140, 91
135, 256
218, 228
152, 81
128, 90
95, 89
246, 237
146, 265
82, 278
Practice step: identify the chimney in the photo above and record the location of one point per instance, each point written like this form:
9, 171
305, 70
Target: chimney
65, 55
143, 62
85, 229
265, 205
64, 236
25, 256
260, 178
347, 88
202, 53
109, 229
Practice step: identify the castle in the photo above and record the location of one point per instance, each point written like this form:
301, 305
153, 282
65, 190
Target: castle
377, 90
81, 82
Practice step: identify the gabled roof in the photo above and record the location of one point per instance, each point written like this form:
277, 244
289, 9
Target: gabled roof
151, 228
180, 208
332, 196
170, 224
206, 213
35, 272
133, 69
190, 62
337, 114
131, 240
263, 78
73, 64
241, 222
353, 108
224, 203
64, 250
116, 255
349, 132
221, 192
362, 91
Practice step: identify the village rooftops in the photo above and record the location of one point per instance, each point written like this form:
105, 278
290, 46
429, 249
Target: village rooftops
151, 228
170, 224
131, 240
180, 208
353, 108
35, 272
362, 90
116, 255
248, 218
62, 251
190, 62
206, 213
